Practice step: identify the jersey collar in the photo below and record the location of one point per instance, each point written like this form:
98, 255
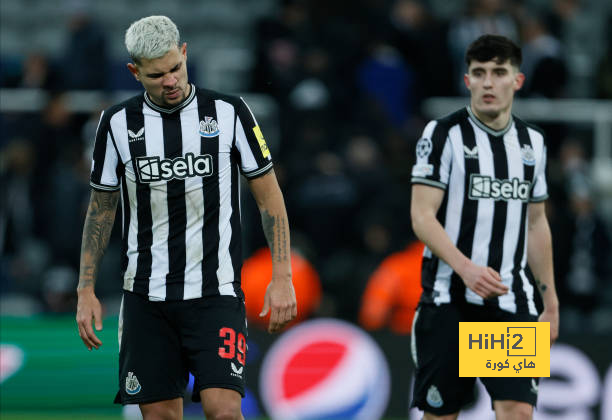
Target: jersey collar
182, 105
486, 128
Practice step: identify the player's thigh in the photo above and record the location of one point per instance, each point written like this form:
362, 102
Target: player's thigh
221, 403
429, 416
524, 390
438, 388
150, 364
215, 342
513, 389
166, 410
512, 410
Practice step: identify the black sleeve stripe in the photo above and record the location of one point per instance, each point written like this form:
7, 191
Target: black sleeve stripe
430, 182
112, 136
538, 199
439, 137
438, 140
100, 145
99, 153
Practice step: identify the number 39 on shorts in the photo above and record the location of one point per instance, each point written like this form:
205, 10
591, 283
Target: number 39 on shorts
234, 345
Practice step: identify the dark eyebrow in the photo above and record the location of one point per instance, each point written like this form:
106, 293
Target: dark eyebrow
496, 69
175, 68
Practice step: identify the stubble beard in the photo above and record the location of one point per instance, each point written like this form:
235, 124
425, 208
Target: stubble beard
172, 102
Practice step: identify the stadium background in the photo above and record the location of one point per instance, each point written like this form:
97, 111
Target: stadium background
342, 91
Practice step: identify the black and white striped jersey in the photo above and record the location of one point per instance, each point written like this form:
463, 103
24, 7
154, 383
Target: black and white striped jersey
489, 178
178, 171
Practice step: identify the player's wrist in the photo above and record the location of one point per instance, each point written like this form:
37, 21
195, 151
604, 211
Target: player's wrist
463, 267
552, 305
85, 289
281, 277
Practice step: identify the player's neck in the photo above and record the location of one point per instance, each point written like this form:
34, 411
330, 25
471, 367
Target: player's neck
497, 122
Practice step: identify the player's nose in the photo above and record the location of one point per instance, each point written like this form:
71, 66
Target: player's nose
169, 80
488, 82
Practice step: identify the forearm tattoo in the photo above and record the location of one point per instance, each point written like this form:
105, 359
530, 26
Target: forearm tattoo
275, 230
96, 234
541, 285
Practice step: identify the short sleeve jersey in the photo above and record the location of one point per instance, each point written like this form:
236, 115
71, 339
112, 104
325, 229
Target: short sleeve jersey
178, 173
489, 177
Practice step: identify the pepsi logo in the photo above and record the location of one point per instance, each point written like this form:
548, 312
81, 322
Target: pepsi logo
11, 360
325, 369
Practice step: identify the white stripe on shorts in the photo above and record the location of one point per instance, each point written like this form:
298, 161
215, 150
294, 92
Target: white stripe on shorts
413, 348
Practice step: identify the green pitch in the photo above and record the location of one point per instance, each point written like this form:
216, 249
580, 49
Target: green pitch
57, 416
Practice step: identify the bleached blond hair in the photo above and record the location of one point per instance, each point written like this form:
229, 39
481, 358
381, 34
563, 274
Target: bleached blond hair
151, 37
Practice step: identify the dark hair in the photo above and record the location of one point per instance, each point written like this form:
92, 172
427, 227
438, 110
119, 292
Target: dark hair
494, 47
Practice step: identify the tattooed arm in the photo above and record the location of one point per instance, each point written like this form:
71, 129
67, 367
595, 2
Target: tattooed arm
280, 295
96, 233
539, 257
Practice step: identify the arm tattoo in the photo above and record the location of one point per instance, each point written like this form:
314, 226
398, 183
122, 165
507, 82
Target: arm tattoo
541, 285
96, 234
275, 230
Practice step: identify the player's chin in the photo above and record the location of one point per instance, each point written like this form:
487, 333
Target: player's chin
174, 101
490, 110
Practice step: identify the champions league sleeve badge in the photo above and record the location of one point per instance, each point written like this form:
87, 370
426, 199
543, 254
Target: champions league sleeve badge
423, 148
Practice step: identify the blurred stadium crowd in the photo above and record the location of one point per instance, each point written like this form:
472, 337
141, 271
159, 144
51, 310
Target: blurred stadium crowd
349, 79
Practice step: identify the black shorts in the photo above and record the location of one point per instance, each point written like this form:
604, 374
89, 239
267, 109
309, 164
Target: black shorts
161, 342
438, 389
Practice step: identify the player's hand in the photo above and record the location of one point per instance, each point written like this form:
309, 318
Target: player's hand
552, 316
484, 281
280, 301
88, 310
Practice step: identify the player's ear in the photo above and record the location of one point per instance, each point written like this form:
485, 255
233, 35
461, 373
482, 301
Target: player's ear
184, 50
134, 70
519, 79
466, 80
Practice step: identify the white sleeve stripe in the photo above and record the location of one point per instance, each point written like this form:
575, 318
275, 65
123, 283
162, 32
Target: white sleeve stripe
104, 187
99, 121
429, 129
258, 172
